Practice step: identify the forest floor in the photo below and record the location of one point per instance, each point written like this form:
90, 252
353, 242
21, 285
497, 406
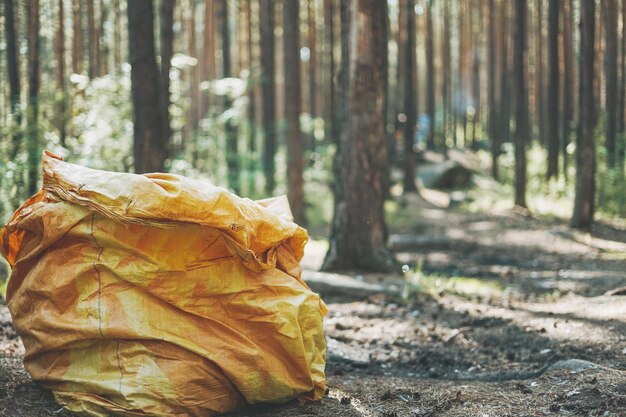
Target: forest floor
508, 315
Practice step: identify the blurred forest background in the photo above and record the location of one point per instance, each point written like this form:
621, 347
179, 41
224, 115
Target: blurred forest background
259, 96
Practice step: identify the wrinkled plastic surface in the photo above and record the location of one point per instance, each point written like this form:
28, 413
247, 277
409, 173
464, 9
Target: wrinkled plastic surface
159, 295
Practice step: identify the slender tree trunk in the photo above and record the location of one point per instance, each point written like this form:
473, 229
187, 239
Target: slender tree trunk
568, 84
430, 63
540, 95
445, 85
91, 40
102, 44
149, 144
621, 152
232, 155
60, 58
166, 13
622, 64
117, 36
358, 229
252, 95
493, 108
476, 40
312, 34
293, 103
329, 29
208, 54
13, 75
266, 15
34, 68
610, 11
553, 90
192, 50
521, 98
585, 144
506, 72
401, 71
409, 97
77, 37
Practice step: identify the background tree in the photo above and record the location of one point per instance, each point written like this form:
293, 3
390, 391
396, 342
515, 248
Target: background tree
358, 230
149, 142
521, 102
584, 204
13, 75
166, 17
293, 99
552, 102
34, 68
610, 13
409, 93
266, 14
430, 83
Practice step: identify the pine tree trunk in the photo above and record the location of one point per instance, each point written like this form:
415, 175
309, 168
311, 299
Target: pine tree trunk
117, 36
610, 13
60, 59
92, 37
585, 144
77, 37
313, 88
266, 15
493, 108
552, 102
430, 64
506, 72
409, 93
521, 98
13, 75
149, 144
166, 13
103, 47
445, 85
232, 155
330, 114
568, 84
34, 68
208, 54
293, 103
358, 230
540, 96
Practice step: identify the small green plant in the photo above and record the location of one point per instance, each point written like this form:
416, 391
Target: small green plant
418, 282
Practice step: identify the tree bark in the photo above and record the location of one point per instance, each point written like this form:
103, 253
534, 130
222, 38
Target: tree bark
493, 108
268, 92
312, 35
77, 37
584, 203
60, 58
506, 72
13, 75
101, 42
232, 155
430, 64
445, 84
540, 96
521, 98
568, 78
117, 36
166, 13
610, 13
409, 93
149, 143
34, 68
330, 114
552, 101
208, 54
358, 230
293, 103
92, 37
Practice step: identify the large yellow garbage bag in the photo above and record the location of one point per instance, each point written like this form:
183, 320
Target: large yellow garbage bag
159, 295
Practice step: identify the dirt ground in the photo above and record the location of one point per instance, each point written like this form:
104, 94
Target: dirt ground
511, 316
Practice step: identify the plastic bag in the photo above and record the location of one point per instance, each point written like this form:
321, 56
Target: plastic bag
159, 295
